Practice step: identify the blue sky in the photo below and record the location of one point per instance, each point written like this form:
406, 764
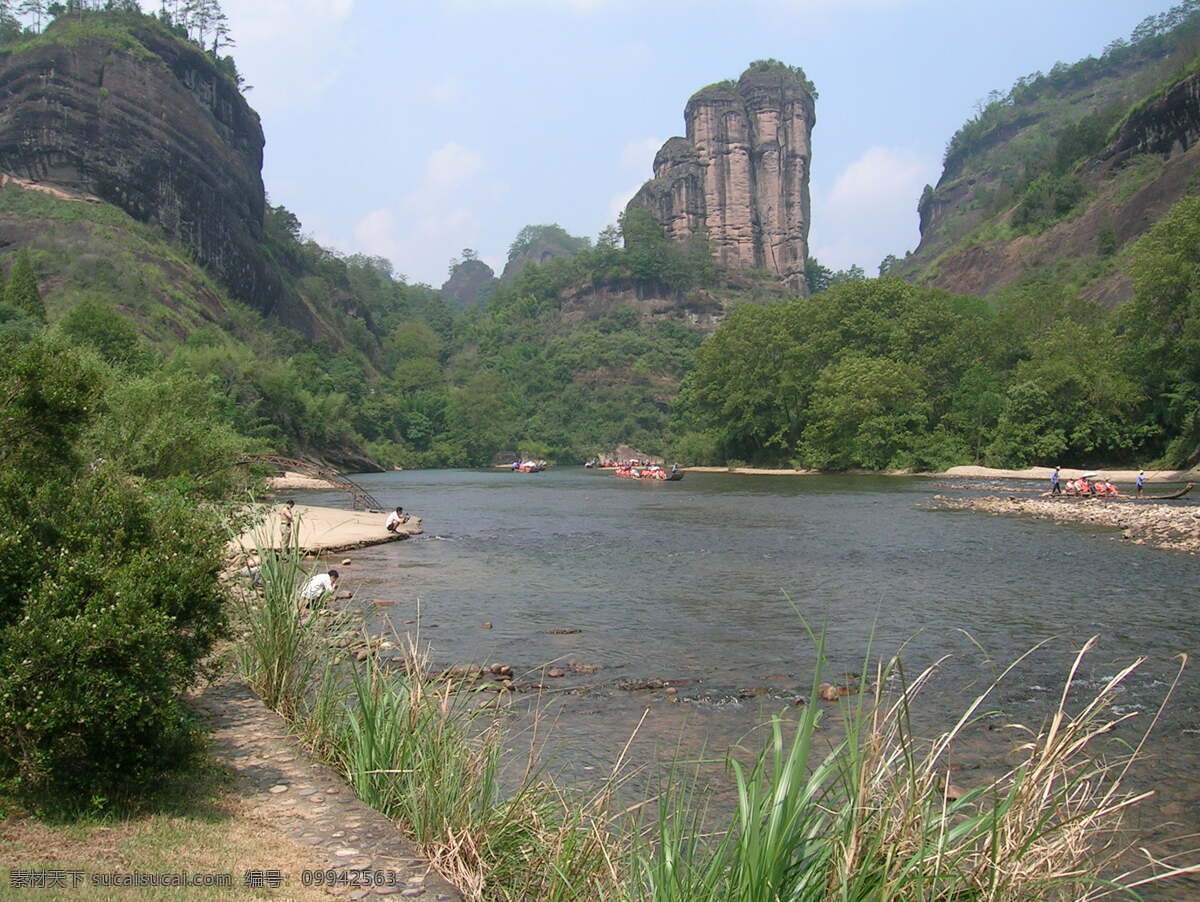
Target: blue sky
414, 128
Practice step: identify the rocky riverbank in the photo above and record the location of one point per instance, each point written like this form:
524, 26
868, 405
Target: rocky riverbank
1171, 526
1037, 474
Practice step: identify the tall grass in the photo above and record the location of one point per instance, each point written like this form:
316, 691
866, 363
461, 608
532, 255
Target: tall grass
285, 645
874, 818
415, 750
871, 817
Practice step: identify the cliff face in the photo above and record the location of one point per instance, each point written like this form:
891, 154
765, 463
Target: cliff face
1149, 162
1167, 125
741, 174
144, 121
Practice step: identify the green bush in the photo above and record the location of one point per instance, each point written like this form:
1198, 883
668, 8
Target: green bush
108, 596
1047, 199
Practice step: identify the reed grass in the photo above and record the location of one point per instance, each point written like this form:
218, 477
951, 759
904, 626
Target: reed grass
874, 818
285, 644
868, 818
415, 750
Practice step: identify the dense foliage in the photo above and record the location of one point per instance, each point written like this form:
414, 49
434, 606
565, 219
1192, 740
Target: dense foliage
109, 547
882, 374
199, 22
1172, 33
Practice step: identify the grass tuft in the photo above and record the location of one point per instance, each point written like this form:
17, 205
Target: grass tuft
877, 818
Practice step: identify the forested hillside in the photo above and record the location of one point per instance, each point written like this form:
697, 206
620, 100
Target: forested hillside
1056, 177
882, 374
582, 345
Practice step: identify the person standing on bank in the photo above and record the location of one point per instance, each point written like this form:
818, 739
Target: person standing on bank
1055, 488
1141, 482
285, 525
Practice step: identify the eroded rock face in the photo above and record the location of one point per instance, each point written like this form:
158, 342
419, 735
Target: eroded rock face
1169, 125
741, 173
153, 128
469, 284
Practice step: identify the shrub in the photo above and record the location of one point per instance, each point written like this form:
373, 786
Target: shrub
108, 596
117, 603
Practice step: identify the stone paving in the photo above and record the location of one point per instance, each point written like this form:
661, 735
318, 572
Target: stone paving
312, 804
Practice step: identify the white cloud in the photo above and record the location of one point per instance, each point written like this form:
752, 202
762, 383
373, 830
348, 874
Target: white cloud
870, 210
450, 166
447, 92
616, 203
287, 49
376, 233
422, 230
640, 154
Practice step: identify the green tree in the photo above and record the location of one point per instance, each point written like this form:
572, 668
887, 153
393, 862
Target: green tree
481, 418
108, 599
1162, 322
975, 405
22, 289
819, 277
95, 325
749, 384
1028, 431
163, 426
414, 339
865, 412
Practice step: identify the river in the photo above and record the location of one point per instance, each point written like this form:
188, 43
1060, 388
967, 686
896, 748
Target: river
709, 581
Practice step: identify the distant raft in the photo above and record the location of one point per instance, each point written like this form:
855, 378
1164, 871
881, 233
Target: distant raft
650, 472
528, 466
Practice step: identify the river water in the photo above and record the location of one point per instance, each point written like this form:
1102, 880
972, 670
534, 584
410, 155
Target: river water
709, 581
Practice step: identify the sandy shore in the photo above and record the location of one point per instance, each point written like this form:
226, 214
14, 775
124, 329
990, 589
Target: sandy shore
291, 481
1035, 473
328, 529
1172, 526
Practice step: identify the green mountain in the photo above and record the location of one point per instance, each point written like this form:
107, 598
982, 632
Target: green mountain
161, 221
1067, 194
1058, 176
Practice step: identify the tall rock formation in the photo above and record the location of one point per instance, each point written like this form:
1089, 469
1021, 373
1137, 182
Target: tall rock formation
741, 174
470, 284
538, 244
119, 108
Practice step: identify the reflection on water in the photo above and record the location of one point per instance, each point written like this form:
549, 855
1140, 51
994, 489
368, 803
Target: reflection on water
711, 579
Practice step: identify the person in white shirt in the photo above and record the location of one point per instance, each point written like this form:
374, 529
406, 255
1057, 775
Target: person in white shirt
395, 518
319, 586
